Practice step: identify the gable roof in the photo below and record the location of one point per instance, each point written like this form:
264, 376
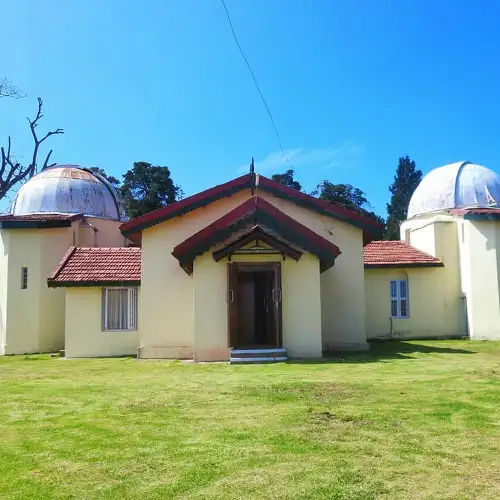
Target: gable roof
37, 221
255, 211
255, 183
396, 254
98, 266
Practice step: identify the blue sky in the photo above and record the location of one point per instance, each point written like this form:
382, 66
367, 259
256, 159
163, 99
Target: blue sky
352, 85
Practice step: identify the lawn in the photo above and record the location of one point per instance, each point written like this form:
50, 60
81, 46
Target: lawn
410, 420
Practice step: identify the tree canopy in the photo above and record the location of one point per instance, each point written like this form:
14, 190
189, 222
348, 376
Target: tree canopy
110, 178
147, 187
343, 194
349, 197
287, 179
405, 182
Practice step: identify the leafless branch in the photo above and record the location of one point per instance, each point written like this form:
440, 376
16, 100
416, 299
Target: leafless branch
8, 89
13, 172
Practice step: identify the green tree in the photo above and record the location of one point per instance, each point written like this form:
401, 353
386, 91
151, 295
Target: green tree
349, 197
287, 179
147, 187
111, 179
406, 180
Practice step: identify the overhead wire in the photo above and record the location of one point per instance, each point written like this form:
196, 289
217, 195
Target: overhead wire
275, 128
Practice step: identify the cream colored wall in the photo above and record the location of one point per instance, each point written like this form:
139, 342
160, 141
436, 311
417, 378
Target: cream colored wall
301, 306
54, 244
480, 247
210, 282
167, 307
342, 286
94, 231
435, 309
84, 336
167, 311
4, 270
35, 315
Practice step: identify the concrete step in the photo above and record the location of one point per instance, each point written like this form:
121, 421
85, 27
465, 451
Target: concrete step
261, 352
235, 361
261, 355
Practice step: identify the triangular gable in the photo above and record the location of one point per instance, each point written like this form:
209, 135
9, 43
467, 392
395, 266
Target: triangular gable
255, 211
254, 183
251, 242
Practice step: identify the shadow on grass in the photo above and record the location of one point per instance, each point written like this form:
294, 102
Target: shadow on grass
380, 351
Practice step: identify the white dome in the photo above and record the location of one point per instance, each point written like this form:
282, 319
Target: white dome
458, 185
68, 189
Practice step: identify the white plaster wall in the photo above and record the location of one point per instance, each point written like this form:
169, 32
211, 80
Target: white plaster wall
167, 291
35, 316
301, 305
480, 244
84, 336
4, 269
342, 286
434, 306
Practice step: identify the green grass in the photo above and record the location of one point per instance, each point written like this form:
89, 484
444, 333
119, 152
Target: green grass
410, 420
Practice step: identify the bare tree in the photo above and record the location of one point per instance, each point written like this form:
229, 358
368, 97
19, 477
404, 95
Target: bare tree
8, 89
11, 171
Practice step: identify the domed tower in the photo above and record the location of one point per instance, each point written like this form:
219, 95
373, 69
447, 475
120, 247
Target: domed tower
68, 189
459, 185
60, 207
454, 215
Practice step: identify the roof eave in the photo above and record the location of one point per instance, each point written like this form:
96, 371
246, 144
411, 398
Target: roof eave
390, 265
182, 207
39, 224
51, 283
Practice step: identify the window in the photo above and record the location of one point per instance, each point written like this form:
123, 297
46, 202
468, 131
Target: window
119, 309
399, 299
24, 278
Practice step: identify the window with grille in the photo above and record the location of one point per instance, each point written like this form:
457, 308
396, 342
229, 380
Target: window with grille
119, 309
399, 299
24, 278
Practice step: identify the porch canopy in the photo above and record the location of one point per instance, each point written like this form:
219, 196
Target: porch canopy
256, 220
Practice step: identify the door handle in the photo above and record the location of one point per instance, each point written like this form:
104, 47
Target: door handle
230, 296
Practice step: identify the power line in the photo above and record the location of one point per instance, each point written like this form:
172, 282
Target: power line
256, 85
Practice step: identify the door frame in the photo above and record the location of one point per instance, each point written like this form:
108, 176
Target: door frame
233, 269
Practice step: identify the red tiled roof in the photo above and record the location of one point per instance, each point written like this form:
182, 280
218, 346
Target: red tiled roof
98, 266
475, 211
397, 254
132, 229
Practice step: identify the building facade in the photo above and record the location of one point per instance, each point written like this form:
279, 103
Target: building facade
249, 264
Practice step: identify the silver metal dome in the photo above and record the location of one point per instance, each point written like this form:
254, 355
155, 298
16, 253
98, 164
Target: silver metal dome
458, 185
68, 189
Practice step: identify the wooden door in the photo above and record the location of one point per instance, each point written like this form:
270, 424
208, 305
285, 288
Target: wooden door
277, 301
232, 303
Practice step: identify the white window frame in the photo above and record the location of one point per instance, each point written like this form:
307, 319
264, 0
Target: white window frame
132, 315
399, 297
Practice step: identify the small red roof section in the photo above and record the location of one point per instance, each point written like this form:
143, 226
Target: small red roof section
255, 211
477, 213
397, 254
11, 221
256, 184
98, 267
